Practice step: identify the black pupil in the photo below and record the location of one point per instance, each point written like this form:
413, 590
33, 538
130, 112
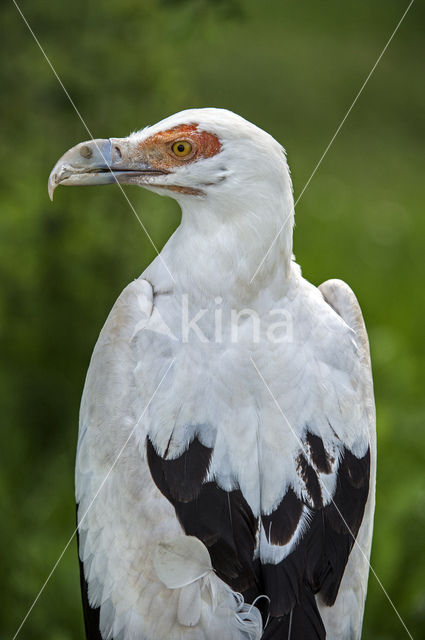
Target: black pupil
180, 147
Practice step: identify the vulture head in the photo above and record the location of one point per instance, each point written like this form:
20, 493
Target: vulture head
226, 173
197, 153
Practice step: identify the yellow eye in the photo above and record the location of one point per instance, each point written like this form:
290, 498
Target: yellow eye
181, 148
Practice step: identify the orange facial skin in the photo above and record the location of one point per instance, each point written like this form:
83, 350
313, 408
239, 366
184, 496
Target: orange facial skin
157, 150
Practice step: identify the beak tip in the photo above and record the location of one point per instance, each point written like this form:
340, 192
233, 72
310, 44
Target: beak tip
51, 186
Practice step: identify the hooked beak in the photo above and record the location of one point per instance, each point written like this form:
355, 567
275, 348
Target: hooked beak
102, 161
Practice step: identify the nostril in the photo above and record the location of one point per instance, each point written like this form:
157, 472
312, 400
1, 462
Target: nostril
118, 152
85, 151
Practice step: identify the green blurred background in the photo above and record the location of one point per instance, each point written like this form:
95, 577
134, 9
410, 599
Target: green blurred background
291, 67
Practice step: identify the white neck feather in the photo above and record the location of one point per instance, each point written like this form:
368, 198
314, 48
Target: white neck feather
221, 243
236, 240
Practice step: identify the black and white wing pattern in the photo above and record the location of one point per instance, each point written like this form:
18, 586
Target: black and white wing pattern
305, 543
296, 553
273, 474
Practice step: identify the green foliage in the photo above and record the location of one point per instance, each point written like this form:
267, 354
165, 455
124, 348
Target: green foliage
294, 69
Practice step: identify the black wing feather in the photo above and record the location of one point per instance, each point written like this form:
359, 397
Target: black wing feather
222, 519
302, 623
318, 560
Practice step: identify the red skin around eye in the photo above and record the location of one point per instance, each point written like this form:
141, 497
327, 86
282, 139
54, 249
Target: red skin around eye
157, 151
156, 147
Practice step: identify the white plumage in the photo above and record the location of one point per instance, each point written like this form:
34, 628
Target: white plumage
227, 429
